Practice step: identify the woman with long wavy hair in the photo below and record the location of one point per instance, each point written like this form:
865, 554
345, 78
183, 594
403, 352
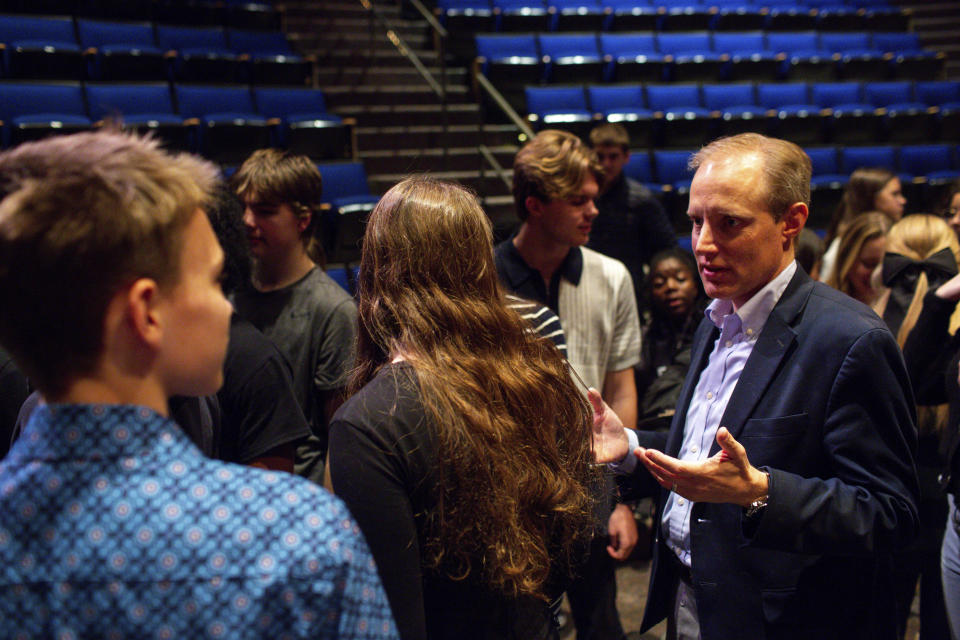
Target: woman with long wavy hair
464, 449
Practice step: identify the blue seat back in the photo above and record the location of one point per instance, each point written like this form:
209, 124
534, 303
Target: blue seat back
793, 42
23, 98
343, 179
831, 94
192, 38
639, 167
824, 160
881, 94
555, 99
738, 42
846, 41
605, 98
262, 43
937, 92
283, 101
560, 45
14, 28
718, 97
683, 43
627, 45
920, 160
669, 97
497, 47
853, 158
97, 33
671, 166
198, 101
774, 95
128, 99
896, 43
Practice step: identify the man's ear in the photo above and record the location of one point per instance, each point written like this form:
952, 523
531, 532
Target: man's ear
304, 216
145, 312
794, 220
534, 206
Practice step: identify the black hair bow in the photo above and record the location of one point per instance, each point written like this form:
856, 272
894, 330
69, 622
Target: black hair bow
901, 273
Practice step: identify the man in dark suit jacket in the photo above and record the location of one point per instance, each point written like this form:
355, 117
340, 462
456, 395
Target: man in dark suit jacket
789, 472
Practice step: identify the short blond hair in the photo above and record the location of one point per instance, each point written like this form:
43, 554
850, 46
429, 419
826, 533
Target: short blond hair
610, 134
552, 166
786, 167
82, 217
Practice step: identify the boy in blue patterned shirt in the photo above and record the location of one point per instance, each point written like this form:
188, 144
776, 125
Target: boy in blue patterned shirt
112, 524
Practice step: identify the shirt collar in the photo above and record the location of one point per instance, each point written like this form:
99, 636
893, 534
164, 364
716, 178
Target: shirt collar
95, 431
518, 271
755, 311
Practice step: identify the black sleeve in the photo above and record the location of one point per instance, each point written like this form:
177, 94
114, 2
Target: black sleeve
13, 391
369, 475
658, 233
260, 412
929, 349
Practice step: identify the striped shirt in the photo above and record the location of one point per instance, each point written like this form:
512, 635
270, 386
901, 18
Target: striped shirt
541, 320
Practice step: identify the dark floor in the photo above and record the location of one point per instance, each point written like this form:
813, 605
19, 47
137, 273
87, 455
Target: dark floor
632, 580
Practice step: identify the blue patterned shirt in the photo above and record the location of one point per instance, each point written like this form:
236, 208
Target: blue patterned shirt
113, 525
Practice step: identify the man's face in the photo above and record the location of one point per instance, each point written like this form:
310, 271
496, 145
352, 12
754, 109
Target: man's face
197, 316
613, 159
567, 221
738, 245
273, 229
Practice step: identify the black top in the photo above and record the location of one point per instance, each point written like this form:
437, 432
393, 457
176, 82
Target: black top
631, 226
520, 278
382, 460
258, 408
13, 391
932, 356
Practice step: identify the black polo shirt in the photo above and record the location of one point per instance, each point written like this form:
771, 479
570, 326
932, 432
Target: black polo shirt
525, 281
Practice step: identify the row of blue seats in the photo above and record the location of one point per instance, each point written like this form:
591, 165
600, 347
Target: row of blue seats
832, 165
682, 115
222, 122
242, 14
666, 15
77, 48
607, 57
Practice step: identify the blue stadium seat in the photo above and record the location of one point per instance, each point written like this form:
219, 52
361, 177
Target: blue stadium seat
737, 108
804, 57
632, 15
143, 107
306, 125
837, 16
748, 57
796, 118
346, 190
272, 59
40, 48
739, 15
124, 51
522, 15
672, 173
692, 57
855, 55
635, 57
851, 158
908, 58
933, 164
559, 108
230, 127
463, 19
685, 15
639, 167
30, 111
826, 185
573, 57
510, 61
906, 120
578, 15
682, 120
202, 54
788, 15
852, 121
624, 104
945, 95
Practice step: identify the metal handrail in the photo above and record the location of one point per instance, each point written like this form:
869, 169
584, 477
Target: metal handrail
501, 102
497, 167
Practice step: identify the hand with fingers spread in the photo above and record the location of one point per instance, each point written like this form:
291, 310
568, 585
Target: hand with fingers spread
609, 439
727, 476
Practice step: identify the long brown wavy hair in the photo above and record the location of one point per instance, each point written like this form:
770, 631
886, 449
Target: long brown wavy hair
512, 429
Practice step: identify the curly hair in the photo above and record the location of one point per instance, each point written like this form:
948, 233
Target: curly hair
512, 430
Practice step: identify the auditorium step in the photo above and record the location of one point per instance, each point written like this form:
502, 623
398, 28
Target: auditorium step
332, 76
432, 159
488, 184
432, 136
372, 95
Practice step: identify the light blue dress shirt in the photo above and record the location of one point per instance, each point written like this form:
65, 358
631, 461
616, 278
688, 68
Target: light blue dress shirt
739, 329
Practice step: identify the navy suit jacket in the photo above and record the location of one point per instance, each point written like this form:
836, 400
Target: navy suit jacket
823, 404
